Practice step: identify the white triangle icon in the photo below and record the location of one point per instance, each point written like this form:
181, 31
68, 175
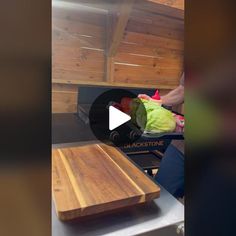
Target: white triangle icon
117, 118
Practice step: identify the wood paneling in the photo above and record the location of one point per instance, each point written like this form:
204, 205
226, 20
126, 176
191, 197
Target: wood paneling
162, 31
148, 53
173, 9
83, 56
81, 13
64, 98
78, 44
62, 38
152, 41
64, 88
76, 77
155, 24
157, 19
79, 63
179, 4
96, 178
148, 61
144, 76
78, 28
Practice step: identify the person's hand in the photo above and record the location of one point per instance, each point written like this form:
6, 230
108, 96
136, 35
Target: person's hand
146, 97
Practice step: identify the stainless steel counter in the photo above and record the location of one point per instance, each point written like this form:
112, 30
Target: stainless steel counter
149, 218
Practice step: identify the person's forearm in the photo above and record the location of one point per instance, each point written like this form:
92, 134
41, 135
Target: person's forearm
174, 97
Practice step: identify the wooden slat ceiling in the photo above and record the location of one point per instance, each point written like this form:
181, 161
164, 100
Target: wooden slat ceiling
179, 4
99, 4
156, 17
173, 8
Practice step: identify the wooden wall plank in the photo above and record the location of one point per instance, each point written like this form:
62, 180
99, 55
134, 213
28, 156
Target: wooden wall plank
78, 28
64, 88
152, 41
150, 51
81, 54
78, 44
160, 8
156, 19
179, 4
64, 98
64, 38
144, 28
81, 13
149, 23
159, 76
149, 62
81, 76
162, 72
77, 64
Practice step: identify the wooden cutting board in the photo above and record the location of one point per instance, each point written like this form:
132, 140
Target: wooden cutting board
96, 178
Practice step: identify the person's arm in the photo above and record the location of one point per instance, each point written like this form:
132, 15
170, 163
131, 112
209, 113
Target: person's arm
174, 97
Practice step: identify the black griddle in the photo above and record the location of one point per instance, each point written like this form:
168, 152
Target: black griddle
74, 127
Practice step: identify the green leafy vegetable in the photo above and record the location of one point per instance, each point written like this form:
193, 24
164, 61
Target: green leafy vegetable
152, 117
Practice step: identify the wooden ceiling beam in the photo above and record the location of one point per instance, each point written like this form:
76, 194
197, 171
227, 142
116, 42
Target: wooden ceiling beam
118, 31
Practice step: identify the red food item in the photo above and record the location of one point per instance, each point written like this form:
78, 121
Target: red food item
117, 106
125, 104
156, 96
179, 123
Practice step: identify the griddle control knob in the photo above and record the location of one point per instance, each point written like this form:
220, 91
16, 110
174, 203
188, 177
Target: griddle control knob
133, 135
114, 136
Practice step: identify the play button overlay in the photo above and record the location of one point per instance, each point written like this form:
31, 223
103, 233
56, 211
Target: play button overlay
113, 117
117, 118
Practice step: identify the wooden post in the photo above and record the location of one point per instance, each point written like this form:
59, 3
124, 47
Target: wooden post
115, 31
109, 62
110, 69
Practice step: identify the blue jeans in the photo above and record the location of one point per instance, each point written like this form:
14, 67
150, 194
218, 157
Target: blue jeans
171, 172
